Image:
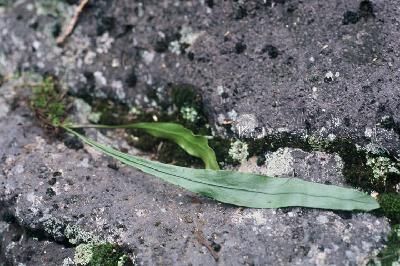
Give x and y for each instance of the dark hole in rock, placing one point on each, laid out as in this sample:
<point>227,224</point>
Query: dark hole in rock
<point>105,24</point>
<point>8,217</point>
<point>366,9</point>
<point>34,25</point>
<point>55,174</point>
<point>240,47</point>
<point>261,160</point>
<point>113,165</point>
<point>272,51</point>
<point>161,45</point>
<point>344,214</point>
<point>216,247</point>
<point>190,56</point>
<point>291,8</point>
<point>210,3</point>
<point>52,181</point>
<point>73,143</point>
<point>131,78</point>
<point>72,2</point>
<point>350,17</point>
<point>328,79</point>
<point>50,192</point>
<point>56,30</point>
<point>16,237</point>
<point>240,13</point>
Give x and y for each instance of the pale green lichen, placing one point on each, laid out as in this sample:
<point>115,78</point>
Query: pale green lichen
<point>175,47</point>
<point>68,262</point>
<point>189,113</point>
<point>94,117</point>
<point>135,111</point>
<point>122,260</point>
<point>239,151</point>
<point>188,37</point>
<point>58,229</point>
<point>83,254</point>
<point>76,235</point>
<point>54,227</point>
<point>381,167</point>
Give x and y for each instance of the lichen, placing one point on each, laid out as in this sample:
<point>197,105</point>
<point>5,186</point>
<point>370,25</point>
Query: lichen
<point>94,117</point>
<point>189,113</point>
<point>68,262</point>
<point>83,254</point>
<point>187,38</point>
<point>106,254</point>
<point>54,227</point>
<point>382,167</point>
<point>317,143</point>
<point>239,151</point>
<point>75,235</point>
<point>122,260</point>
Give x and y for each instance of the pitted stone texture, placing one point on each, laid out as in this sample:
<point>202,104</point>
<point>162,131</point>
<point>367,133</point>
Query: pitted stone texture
<point>157,220</point>
<point>19,247</point>
<point>298,67</point>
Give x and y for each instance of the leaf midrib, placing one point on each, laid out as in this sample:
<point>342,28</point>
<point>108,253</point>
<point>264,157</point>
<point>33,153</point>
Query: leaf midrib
<point>210,184</point>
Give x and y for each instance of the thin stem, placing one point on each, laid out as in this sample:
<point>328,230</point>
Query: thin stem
<point>93,126</point>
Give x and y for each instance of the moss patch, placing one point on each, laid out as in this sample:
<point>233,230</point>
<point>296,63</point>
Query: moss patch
<point>390,206</point>
<point>391,254</point>
<point>101,255</point>
<point>49,104</point>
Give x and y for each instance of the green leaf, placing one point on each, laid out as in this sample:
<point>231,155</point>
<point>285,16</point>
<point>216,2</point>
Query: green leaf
<point>195,145</point>
<point>243,189</point>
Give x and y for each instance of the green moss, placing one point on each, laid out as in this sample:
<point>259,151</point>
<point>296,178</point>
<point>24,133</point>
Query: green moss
<point>318,143</point>
<point>4,3</point>
<point>185,95</point>
<point>221,148</point>
<point>390,206</point>
<point>106,254</point>
<point>355,168</point>
<point>48,103</point>
<point>382,168</point>
<point>391,254</point>
<point>357,171</point>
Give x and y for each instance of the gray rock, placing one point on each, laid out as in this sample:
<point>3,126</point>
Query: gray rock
<point>300,67</point>
<point>307,68</point>
<point>18,247</point>
<point>49,188</point>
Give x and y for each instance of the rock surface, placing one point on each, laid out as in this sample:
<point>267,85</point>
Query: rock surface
<point>327,69</point>
<point>48,187</point>
<point>307,68</point>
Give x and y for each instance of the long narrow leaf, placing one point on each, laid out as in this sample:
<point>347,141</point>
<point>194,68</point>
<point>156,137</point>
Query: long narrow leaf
<point>195,145</point>
<point>243,189</point>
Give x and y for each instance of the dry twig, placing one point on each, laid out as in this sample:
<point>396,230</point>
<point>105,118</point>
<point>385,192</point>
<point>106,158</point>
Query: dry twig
<point>203,241</point>
<point>61,39</point>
